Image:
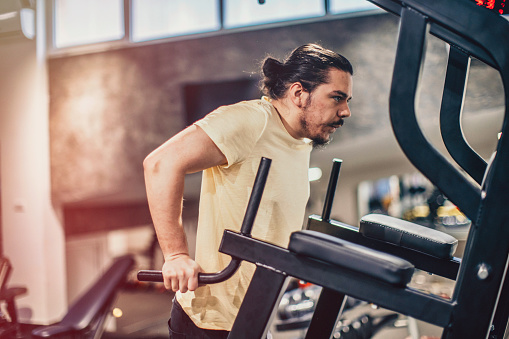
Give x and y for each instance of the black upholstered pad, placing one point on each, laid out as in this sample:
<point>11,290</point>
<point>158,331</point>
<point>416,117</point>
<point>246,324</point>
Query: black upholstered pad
<point>409,235</point>
<point>379,265</point>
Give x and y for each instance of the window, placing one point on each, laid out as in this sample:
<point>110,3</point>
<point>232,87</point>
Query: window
<point>82,22</point>
<point>79,22</point>
<point>239,13</point>
<point>153,19</point>
<point>348,6</point>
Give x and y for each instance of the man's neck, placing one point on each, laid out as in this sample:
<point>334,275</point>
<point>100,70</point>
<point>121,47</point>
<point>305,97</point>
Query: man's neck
<point>288,118</point>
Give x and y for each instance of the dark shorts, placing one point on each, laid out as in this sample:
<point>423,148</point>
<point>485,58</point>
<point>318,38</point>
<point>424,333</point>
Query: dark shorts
<point>182,327</point>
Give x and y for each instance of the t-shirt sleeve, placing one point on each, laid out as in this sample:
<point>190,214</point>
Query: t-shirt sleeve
<point>235,129</point>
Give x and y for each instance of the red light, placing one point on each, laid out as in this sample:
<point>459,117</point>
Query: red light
<point>495,5</point>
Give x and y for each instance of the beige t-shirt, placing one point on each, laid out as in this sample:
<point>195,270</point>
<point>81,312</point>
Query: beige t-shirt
<point>244,132</point>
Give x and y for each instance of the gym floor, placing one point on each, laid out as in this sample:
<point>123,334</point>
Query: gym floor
<point>145,313</point>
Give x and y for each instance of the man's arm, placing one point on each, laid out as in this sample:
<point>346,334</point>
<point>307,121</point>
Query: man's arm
<point>189,151</point>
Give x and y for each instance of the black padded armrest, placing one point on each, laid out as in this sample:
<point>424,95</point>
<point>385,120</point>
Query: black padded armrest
<point>409,235</point>
<point>339,252</point>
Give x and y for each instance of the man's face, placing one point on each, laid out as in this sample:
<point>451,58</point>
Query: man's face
<point>326,107</point>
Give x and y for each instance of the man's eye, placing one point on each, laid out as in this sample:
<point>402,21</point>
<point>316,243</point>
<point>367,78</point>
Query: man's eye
<point>338,99</point>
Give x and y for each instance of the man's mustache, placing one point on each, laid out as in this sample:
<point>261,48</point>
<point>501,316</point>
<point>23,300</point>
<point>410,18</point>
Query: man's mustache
<point>337,124</point>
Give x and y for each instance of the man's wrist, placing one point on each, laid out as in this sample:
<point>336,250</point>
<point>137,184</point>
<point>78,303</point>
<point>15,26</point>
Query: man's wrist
<point>174,256</point>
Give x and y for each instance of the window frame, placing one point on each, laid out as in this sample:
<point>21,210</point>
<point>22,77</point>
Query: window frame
<point>126,41</point>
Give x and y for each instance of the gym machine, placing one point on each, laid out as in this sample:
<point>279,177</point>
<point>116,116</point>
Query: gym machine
<point>375,261</point>
<point>86,317</point>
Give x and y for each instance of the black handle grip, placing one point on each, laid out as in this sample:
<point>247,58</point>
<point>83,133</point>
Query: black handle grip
<point>149,275</point>
<point>247,226</point>
<point>203,278</point>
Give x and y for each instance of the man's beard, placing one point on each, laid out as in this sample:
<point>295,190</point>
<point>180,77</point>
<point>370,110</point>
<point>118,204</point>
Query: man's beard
<point>318,141</point>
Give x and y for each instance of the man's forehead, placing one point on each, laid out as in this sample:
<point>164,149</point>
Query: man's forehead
<point>340,81</point>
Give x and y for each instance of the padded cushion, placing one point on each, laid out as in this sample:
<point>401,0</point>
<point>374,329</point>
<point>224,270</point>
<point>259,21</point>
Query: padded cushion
<point>409,235</point>
<point>339,252</point>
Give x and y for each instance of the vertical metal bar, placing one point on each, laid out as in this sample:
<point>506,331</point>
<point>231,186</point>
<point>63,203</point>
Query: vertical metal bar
<point>450,115</point>
<point>403,97</point>
<point>330,305</point>
<point>480,285</point>
<point>128,9</point>
<point>499,323</point>
<point>256,196</point>
<point>221,14</point>
<point>259,304</point>
<point>483,268</point>
<point>331,189</point>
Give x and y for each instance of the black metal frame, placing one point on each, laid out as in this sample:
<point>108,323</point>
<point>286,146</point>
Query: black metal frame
<point>450,116</point>
<point>282,262</point>
<point>487,31</point>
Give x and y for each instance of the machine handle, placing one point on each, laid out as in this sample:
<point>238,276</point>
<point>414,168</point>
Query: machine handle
<point>203,278</point>
<point>247,226</point>
<point>331,189</point>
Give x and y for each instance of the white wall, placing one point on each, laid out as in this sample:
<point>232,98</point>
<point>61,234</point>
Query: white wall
<point>33,238</point>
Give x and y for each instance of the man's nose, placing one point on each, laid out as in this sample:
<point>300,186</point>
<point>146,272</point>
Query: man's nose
<point>344,112</point>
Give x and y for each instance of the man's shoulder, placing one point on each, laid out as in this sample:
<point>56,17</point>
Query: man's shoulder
<point>252,115</point>
<point>247,111</point>
<point>255,105</point>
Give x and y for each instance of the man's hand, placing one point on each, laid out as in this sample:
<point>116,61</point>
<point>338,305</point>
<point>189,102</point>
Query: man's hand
<point>180,272</point>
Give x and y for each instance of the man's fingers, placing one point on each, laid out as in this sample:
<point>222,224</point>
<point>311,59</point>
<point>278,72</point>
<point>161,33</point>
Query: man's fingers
<point>171,281</point>
<point>193,283</point>
<point>182,279</point>
<point>174,284</point>
<point>167,279</point>
<point>181,275</point>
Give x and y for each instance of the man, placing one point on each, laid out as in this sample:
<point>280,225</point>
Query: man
<point>307,100</point>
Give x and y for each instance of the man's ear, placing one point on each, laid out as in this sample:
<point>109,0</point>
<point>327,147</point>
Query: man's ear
<point>297,94</point>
